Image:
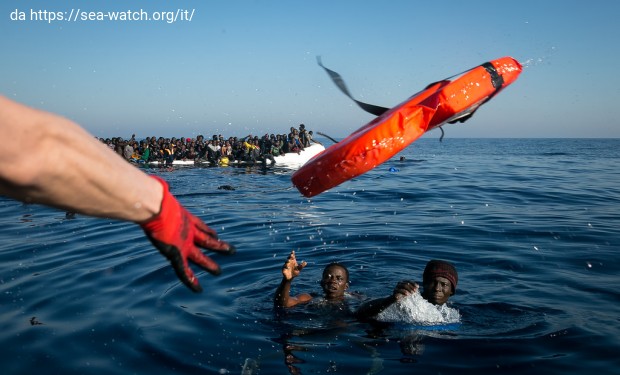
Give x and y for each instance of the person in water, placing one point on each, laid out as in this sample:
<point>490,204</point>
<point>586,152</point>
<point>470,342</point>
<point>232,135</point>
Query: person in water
<point>334,282</point>
<point>438,282</point>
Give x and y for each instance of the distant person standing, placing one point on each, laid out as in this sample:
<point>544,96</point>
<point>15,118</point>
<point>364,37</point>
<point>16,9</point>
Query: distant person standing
<point>128,150</point>
<point>303,136</point>
<point>311,138</point>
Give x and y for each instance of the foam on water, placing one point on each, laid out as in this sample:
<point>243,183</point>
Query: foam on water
<point>414,309</point>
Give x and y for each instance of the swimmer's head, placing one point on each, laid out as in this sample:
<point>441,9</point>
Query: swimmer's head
<point>335,280</point>
<point>440,268</point>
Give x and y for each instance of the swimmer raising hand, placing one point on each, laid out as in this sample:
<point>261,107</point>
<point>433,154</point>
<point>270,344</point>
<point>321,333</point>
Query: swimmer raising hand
<point>334,282</point>
<point>291,269</point>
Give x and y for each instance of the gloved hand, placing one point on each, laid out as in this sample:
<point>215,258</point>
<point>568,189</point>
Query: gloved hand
<point>176,234</point>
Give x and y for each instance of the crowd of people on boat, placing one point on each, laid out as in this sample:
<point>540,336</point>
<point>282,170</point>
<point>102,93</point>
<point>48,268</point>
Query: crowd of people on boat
<point>249,149</point>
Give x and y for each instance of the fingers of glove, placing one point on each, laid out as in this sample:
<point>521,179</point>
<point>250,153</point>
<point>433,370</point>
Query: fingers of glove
<point>179,264</point>
<point>204,262</point>
<point>186,275</point>
<point>208,242</point>
<point>201,226</point>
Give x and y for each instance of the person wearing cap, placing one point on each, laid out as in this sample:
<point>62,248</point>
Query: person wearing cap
<point>439,282</point>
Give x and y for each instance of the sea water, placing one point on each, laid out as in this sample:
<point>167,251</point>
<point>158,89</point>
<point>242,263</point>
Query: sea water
<point>532,226</point>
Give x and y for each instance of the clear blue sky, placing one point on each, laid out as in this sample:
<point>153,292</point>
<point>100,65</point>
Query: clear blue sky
<point>241,67</point>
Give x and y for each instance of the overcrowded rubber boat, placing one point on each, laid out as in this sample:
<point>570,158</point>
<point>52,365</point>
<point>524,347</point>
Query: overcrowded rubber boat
<point>289,160</point>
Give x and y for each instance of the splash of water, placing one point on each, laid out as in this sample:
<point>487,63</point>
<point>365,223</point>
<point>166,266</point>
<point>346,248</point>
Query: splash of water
<point>414,309</point>
<point>538,60</point>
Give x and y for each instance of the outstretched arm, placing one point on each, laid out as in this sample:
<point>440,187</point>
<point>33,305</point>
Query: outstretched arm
<point>50,160</point>
<point>290,270</point>
<point>371,309</point>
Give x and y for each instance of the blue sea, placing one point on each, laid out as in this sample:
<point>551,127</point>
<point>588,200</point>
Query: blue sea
<point>532,225</point>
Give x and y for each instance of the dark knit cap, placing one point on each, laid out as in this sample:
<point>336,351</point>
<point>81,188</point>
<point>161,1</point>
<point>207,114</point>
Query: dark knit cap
<point>440,268</point>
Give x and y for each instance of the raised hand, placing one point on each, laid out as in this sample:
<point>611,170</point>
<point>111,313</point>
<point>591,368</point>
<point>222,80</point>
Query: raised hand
<point>291,269</point>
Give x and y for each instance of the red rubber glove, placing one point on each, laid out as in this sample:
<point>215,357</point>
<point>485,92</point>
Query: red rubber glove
<point>176,234</point>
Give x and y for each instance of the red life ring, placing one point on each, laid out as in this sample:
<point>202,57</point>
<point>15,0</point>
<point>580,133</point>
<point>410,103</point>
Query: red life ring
<point>374,143</point>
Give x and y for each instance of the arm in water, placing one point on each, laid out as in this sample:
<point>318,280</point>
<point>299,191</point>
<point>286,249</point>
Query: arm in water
<point>439,282</point>
<point>290,270</point>
<point>371,309</point>
<point>67,168</point>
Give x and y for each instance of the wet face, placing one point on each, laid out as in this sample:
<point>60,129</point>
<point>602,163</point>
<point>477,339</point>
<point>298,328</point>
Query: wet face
<point>334,282</point>
<point>437,290</point>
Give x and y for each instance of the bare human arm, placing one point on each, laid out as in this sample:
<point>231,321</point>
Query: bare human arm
<point>290,270</point>
<point>369,310</point>
<point>50,160</point>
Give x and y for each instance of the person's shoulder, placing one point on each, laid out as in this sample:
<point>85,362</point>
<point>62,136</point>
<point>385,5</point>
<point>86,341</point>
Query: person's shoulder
<point>356,295</point>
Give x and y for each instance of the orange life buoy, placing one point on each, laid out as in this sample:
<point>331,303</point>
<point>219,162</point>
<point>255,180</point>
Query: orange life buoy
<point>374,143</point>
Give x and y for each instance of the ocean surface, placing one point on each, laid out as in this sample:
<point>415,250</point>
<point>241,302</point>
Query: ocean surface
<point>532,225</point>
